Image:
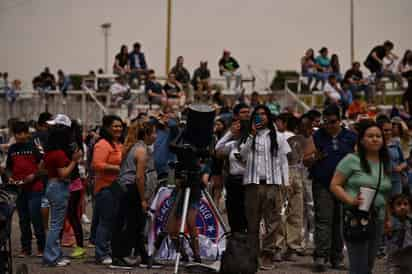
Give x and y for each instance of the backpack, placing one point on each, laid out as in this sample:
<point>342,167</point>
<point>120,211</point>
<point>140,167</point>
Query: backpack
<point>239,258</point>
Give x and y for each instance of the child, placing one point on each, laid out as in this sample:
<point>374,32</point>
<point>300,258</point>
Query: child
<point>22,163</point>
<point>398,230</point>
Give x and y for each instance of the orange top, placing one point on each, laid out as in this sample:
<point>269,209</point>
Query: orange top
<point>105,154</point>
<point>357,107</point>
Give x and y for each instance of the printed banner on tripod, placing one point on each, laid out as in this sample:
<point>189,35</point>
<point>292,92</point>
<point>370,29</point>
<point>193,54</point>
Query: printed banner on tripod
<point>210,230</point>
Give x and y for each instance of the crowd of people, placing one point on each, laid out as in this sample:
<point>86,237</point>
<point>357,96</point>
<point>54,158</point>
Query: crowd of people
<point>298,173</point>
<point>342,88</point>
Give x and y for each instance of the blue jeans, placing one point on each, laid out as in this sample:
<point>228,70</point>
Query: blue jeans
<point>28,209</point>
<point>57,192</point>
<point>104,215</point>
<point>362,255</point>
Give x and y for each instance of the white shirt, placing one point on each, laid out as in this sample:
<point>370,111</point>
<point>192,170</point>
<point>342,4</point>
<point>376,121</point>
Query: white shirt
<point>331,92</point>
<point>274,167</point>
<point>229,146</point>
<point>118,88</point>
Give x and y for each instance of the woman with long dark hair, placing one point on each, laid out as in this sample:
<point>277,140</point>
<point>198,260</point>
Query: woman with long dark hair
<point>265,153</point>
<point>368,168</point>
<point>121,62</point>
<point>107,156</point>
<point>75,189</point>
<point>59,167</point>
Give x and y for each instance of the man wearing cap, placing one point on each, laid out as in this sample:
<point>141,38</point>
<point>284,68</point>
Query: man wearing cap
<point>229,68</point>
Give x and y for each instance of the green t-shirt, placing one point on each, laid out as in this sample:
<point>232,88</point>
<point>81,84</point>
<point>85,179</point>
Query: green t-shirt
<point>355,178</point>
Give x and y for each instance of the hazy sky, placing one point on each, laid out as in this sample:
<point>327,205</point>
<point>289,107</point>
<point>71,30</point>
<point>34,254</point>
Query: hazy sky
<point>265,34</point>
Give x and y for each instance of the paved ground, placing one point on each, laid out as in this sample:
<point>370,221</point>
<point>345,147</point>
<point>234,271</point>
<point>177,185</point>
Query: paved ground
<point>87,265</point>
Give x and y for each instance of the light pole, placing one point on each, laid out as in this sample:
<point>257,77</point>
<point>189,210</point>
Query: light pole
<point>106,28</point>
<point>352,32</point>
<point>168,34</point>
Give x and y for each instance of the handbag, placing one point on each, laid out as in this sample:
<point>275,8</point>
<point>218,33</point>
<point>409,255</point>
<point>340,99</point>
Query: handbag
<point>239,256</point>
<point>358,224</point>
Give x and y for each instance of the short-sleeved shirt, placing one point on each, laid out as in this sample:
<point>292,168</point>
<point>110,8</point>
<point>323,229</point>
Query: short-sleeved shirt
<point>371,63</point>
<point>22,161</point>
<point>171,90</point>
<point>356,177</point>
<point>353,75</point>
<point>324,62</point>
<point>230,64</point>
<point>53,160</point>
<point>154,87</point>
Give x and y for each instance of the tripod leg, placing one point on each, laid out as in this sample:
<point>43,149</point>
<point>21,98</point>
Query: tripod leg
<point>182,227</point>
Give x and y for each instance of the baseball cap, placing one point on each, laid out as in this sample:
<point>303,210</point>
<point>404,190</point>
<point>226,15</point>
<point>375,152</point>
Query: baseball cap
<point>61,119</point>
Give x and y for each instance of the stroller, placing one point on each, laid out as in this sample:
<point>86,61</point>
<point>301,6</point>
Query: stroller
<point>8,198</point>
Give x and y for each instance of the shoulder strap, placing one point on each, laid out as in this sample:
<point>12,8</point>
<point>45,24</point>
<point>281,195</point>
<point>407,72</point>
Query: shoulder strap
<point>379,183</point>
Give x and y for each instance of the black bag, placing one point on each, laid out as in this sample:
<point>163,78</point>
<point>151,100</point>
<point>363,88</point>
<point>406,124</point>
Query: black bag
<point>357,224</point>
<point>239,258</point>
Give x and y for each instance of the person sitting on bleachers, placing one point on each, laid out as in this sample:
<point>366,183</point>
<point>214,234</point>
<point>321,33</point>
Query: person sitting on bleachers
<point>138,65</point>
<point>308,66</point>
<point>64,82</point>
<point>357,107</point>
<point>119,91</point>
<point>48,81</point>
<point>121,64</point>
<point>405,66</point>
<point>174,91</point>
<point>201,80</point>
<point>354,77</point>
<point>335,66</point>
<point>229,67</point>
<point>323,67</point>
<point>154,90</point>
<point>332,91</point>
<point>181,73</point>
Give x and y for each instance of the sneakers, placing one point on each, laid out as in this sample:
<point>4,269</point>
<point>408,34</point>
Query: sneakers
<point>266,263</point>
<point>105,261</point>
<point>78,253</point>
<point>23,254</point>
<point>277,257</point>
<point>290,255</point>
<point>85,219</point>
<point>62,262</point>
<point>150,263</point>
<point>319,265</point>
<point>337,264</point>
<point>120,263</point>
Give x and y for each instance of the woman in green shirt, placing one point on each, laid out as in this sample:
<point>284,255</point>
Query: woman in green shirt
<point>362,170</point>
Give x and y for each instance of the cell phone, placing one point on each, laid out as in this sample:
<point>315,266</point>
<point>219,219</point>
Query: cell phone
<point>258,120</point>
<point>244,127</point>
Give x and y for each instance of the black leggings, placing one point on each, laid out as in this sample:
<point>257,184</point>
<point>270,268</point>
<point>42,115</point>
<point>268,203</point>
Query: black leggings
<point>73,216</point>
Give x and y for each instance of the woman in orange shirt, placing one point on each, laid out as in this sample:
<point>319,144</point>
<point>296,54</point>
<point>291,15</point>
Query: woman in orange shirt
<point>107,156</point>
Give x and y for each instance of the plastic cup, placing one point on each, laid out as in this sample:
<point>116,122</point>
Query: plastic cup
<point>367,194</point>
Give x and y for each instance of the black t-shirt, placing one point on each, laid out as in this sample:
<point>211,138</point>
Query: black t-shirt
<point>123,59</point>
<point>371,63</point>
<point>200,73</point>
<point>182,74</point>
<point>230,64</point>
<point>171,90</point>
<point>154,87</point>
<point>353,74</point>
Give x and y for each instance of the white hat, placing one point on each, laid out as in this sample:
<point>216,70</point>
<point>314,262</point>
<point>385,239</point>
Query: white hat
<point>61,119</point>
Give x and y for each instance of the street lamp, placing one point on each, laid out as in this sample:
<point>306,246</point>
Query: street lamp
<point>106,28</point>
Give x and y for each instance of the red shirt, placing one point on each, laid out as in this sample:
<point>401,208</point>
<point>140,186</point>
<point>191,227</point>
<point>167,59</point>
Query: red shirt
<point>22,161</point>
<point>54,160</point>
